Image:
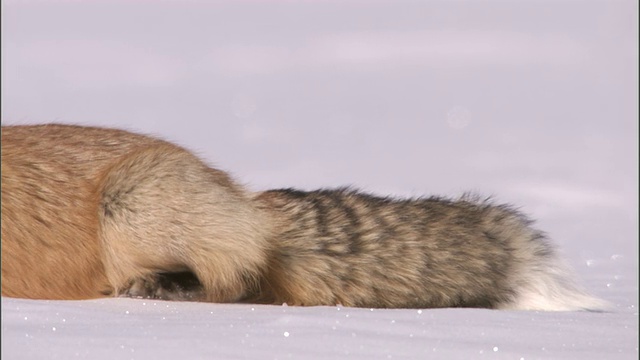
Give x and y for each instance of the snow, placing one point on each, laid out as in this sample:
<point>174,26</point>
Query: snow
<point>534,102</point>
<point>142,329</point>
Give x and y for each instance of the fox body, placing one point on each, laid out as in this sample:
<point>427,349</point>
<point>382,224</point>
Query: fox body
<point>85,211</point>
<point>92,212</point>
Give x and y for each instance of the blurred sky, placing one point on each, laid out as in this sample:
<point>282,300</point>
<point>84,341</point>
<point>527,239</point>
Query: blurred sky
<point>535,102</point>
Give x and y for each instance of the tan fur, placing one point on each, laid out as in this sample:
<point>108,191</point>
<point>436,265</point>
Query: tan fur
<point>88,211</point>
<point>91,212</point>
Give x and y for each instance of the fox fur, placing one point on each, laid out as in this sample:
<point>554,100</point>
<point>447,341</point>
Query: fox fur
<point>94,212</point>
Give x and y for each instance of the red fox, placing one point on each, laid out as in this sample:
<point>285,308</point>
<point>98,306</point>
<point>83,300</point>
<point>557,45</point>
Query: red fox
<point>93,212</point>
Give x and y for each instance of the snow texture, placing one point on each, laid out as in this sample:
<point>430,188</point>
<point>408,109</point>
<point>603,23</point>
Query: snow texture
<point>534,102</point>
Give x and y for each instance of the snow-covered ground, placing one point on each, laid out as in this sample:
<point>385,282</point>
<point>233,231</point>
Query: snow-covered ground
<point>139,329</point>
<point>532,101</point>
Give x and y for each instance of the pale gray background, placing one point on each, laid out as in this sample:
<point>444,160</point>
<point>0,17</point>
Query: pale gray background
<point>534,102</point>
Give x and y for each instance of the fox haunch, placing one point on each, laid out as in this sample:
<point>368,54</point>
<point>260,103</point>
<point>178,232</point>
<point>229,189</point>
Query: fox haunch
<point>88,211</point>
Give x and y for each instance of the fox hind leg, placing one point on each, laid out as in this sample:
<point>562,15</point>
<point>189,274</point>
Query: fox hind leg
<point>162,211</point>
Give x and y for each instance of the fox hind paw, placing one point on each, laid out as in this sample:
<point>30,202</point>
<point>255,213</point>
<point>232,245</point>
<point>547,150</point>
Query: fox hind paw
<point>181,286</point>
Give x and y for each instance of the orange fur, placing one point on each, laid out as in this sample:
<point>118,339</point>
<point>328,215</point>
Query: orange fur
<point>86,212</point>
